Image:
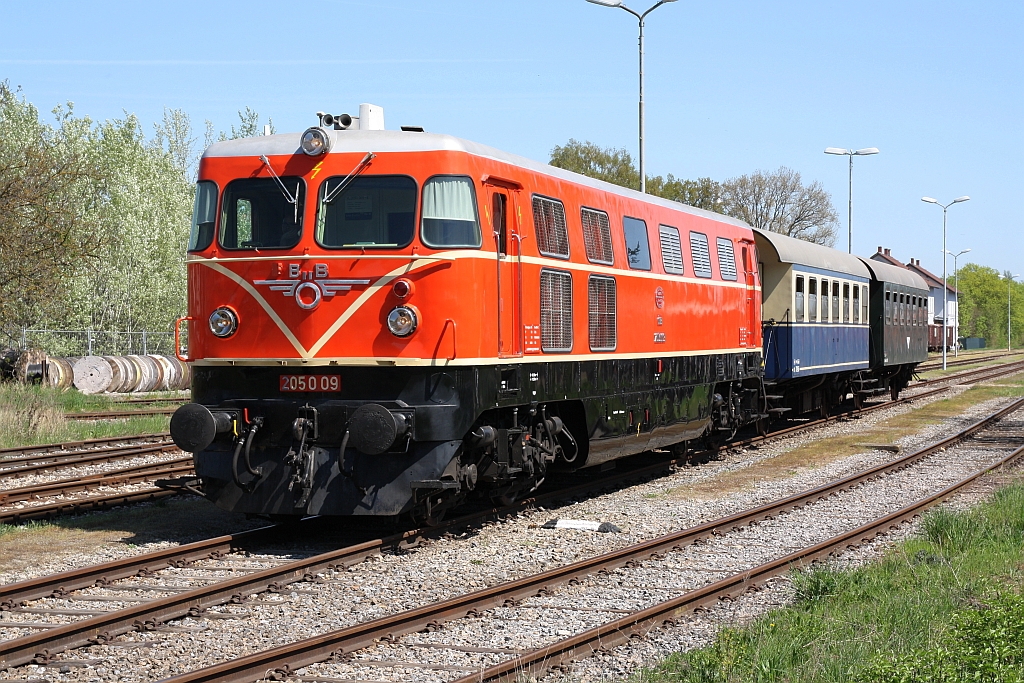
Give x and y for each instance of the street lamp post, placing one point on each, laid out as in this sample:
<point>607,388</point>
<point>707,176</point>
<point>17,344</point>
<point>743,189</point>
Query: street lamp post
<point>640,17</point>
<point>945,287</point>
<point>956,286</point>
<point>1009,283</point>
<point>851,153</point>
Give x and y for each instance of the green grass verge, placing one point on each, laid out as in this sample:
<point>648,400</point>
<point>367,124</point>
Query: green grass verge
<point>35,415</point>
<point>944,607</point>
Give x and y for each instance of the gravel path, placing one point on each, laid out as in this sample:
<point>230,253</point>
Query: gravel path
<point>519,547</point>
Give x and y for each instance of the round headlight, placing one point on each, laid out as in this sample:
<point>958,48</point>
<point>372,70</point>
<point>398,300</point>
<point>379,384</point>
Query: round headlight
<point>223,322</point>
<point>315,141</point>
<point>402,321</point>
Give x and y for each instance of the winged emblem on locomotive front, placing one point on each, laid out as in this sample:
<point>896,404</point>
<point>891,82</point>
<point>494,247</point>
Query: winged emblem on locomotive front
<point>310,287</point>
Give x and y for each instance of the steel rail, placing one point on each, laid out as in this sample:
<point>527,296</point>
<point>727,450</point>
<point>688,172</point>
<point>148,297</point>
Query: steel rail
<point>117,414</point>
<point>79,505</point>
<point>120,477</point>
<point>638,624</point>
<point>1000,369</point>
<point>68,445</point>
<point>21,651</point>
<point>966,360</point>
<point>280,662</point>
<point>86,458</point>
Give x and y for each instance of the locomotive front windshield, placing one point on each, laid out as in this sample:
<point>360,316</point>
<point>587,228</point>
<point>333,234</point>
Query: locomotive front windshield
<point>370,211</point>
<point>259,213</point>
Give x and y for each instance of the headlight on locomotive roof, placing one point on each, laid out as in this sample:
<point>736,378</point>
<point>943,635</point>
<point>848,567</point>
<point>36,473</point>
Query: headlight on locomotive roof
<point>223,322</point>
<point>315,141</point>
<point>402,321</point>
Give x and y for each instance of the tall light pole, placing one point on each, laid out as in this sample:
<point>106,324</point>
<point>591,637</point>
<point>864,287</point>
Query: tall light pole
<point>956,286</point>
<point>851,153</point>
<point>640,17</point>
<point>1009,283</point>
<point>945,287</point>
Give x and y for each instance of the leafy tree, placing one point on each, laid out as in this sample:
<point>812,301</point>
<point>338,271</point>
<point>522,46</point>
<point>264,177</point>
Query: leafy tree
<point>779,201</point>
<point>249,126</point>
<point>616,166</point>
<point>983,293</point>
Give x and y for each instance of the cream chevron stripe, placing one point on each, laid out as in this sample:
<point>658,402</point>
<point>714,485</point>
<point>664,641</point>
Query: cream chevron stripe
<point>266,307</point>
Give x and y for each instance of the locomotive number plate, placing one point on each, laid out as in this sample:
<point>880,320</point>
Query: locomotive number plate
<point>298,383</point>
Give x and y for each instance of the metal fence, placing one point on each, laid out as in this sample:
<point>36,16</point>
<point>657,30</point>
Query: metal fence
<point>72,343</point>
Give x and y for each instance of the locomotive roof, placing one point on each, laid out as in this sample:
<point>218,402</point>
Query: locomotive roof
<point>802,252</point>
<point>377,141</point>
<point>895,274</point>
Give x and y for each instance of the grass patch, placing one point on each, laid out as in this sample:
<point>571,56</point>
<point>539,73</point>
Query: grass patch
<point>943,607</point>
<point>35,415</point>
<point>823,451</point>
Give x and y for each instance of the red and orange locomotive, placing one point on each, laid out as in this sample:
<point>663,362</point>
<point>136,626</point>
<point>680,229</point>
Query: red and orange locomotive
<point>386,322</point>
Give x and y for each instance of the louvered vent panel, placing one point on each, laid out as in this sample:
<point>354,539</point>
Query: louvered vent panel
<point>549,219</point>
<point>601,305</point>
<point>700,253</point>
<point>597,236</point>
<point>555,310</point>
<point>726,259</point>
<point>671,250</point>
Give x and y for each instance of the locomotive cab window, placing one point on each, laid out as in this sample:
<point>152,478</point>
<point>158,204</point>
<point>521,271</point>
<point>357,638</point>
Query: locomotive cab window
<point>204,216</point>
<point>257,214</point>
<point>371,211</point>
<point>638,251</point>
<point>449,213</point>
<point>799,298</point>
<point>499,221</point>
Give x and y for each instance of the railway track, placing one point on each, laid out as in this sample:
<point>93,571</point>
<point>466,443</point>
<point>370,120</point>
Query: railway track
<point>118,414</point>
<point>388,643</point>
<point>52,639</point>
<point>9,454</point>
<point>968,360</point>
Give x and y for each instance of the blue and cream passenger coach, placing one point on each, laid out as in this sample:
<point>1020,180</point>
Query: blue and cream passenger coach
<point>815,315</point>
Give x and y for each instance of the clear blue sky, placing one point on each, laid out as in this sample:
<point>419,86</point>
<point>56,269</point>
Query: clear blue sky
<point>731,87</point>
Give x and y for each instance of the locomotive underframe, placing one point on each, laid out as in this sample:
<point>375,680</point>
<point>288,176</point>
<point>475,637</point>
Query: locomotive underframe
<point>490,431</point>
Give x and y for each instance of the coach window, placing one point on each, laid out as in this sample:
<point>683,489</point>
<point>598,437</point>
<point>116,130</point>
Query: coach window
<point>864,304</point>
<point>835,302</point>
<point>799,298</point>
<point>856,304</point>
<point>638,251</point>
<point>903,309</point>
<point>450,218</point>
<point>204,216</point>
<point>846,302</point>
<point>371,211</point>
<point>812,299</point>
<point>258,213</point>
<point>824,300</point>
<point>888,307</point>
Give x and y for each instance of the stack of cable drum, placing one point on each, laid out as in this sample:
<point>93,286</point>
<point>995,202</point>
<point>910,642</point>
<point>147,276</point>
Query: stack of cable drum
<point>124,374</point>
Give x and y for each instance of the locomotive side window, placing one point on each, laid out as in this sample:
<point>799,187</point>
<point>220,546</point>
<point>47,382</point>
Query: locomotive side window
<point>256,214</point>
<point>597,236</point>
<point>856,304</point>
<point>812,299</point>
<point>799,298</point>
<point>498,218</point>
<point>726,259</point>
<point>846,302</point>
<point>671,250</point>
<point>700,255</point>
<point>638,250</point>
<point>370,211</point>
<point>601,310</point>
<point>204,216</point>
<point>449,213</point>
<point>549,222</point>
<point>555,311</point>
<point>824,301</point>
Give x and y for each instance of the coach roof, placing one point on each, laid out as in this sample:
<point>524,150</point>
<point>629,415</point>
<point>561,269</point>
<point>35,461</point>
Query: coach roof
<point>382,141</point>
<point>804,253</point>
<point>896,275</point>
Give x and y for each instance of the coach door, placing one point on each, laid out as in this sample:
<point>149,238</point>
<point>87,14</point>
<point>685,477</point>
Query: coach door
<point>505,228</point>
<point>753,323</point>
